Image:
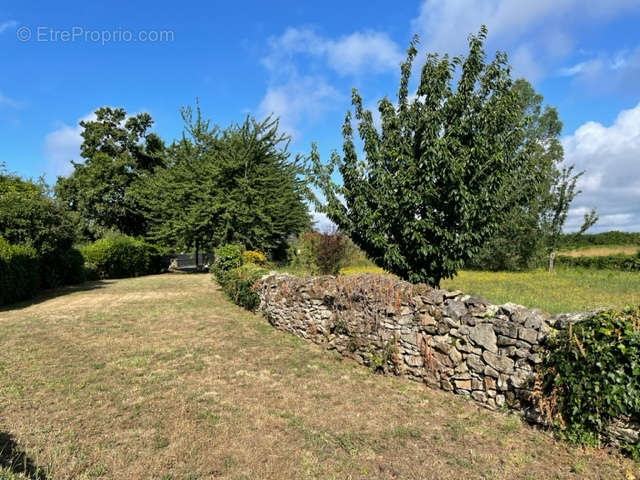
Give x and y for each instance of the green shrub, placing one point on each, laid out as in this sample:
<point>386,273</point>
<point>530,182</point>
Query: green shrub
<point>62,268</point>
<point>300,253</point>
<point>120,256</point>
<point>226,258</point>
<point>91,272</point>
<point>593,370</point>
<point>629,263</point>
<point>19,272</point>
<point>239,285</point>
<point>255,257</point>
<point>323,253</point>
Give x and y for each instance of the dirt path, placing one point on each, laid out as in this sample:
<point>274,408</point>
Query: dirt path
<point>161,378</point>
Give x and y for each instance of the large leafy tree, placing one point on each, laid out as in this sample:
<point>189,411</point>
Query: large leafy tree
<point>520,239</point>
<point>30,216</point>
<point>234,185</point>
<point>542,190</point>
<point>118,150</point>
<point>433,185</point>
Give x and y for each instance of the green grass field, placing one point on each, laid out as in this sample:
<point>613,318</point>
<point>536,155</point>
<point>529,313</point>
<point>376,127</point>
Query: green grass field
<point>565,290</point>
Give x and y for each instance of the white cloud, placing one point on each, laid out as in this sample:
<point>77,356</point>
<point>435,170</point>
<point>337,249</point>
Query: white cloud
<point>62,146</point>
<point>505,19</point>
<point>608,72</point>
<point>321,222</point>
<point>610,156</point>
<point>7,25</point>
<point>538,26</point>
<point>353,54</point>
<point>573,70</point>
<point>360,52</point>
<point>10,102</point>
<point>299,100</point>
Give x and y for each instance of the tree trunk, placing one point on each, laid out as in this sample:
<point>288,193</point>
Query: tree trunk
<point>552,256</point>
<point>197,255</point>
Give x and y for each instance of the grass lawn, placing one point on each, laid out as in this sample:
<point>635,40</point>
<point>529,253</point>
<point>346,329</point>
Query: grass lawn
<point>565,290</point>
<point>162,378</point>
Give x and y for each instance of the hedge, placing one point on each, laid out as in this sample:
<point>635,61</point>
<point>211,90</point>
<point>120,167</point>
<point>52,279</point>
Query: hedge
<point>237,270</point>
<point>239,283</point>
<point>120,256</point>
<point>226,258</point>
<point>19,272</point>
<point>614,237</point>
<point>593,373</point>
<point>630,263</point>
<point>62,268</point>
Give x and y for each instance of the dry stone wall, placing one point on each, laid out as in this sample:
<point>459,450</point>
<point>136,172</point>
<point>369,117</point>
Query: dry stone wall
<point>456,342</point>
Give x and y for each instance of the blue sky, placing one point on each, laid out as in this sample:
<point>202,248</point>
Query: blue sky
<point>299,60</point>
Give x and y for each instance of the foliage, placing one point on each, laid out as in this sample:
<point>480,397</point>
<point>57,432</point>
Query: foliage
<point>255,257</point>
<point>300,254</point>
<point>120,256</point>
<point>225,258</point>
<point>322,253</point>
<point>237,185</point>
<point>239,285</point>
<point>29,216</point>
<point>63,268</point>
<point>629,263</point>
<point>594,371</point>
<point>118,152</point>
<point>329,251</point>
<point>518,241</point>
<point>434,184</point>
<point>570,241</point>
<point>19,272</point>
<point>563,192</point>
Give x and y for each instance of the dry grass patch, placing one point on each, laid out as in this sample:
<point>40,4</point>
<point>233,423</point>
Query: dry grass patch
<point>601,251</point>
<point>162,378</point>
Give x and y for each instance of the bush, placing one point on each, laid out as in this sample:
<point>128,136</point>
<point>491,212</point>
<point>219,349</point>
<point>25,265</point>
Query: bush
<point>239,285</point>
<point>629,263</point>
<point>120,256</point>
<point>322,253</point>
<point>329,251</point>
<point>226,257</point>
<point>255,257</point>
<point>593,370</point>
<point>301,256</point>
<point>19,272</point>
<point>62,268</point>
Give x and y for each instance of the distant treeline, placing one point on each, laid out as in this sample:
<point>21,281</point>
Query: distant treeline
<point>614,237</point>
<point>626,263</point>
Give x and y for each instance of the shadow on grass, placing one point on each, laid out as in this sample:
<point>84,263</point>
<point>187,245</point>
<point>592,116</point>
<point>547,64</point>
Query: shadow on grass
<point>13,458</point>
<point>45,295</point>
